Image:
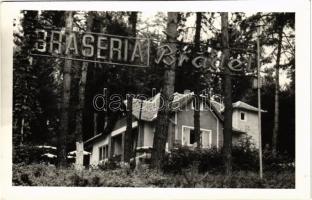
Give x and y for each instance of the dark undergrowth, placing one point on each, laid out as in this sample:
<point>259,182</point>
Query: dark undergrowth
<point>183,167</point>
<point>45,175</point>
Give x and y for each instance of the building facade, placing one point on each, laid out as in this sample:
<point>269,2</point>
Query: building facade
<point>181,127</point>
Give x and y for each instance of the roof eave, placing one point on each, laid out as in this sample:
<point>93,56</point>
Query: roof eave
<point>93,138</point>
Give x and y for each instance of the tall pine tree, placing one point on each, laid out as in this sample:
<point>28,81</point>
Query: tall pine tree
<point>162,123</point>
<point>227,127</point>
<point>64,122</point>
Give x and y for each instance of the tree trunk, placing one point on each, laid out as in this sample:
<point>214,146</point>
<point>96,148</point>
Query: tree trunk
<point>95,123</point>
<point>277,87</point>
<point>79,117</point>
<point>197,79</point>
<point>62,134</point>
<point>162,123</point>
<point>127,143</point>
<point>22,131</point>
<point>133,21</point>
<point>227,129</point>
<point>128,134</point>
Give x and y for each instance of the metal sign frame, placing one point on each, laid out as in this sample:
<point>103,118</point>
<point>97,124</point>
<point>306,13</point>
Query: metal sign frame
<point>49,54</point>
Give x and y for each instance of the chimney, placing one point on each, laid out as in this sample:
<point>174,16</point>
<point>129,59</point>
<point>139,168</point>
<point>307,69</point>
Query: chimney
<point>187,91</point>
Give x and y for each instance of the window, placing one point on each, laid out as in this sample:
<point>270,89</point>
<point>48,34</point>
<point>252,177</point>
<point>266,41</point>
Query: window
<point>242,116</point>
<point>192,136</point>
<point>188,137</point>
<point>103,152</point>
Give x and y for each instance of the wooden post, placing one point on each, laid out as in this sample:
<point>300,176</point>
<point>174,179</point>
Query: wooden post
<point>79,156</point>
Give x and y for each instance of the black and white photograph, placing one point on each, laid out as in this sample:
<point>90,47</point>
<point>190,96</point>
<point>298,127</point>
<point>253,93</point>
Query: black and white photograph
<point>154,98</point>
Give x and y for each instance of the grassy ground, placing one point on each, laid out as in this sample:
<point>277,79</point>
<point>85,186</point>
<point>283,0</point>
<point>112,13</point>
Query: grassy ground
<point>43,175</point>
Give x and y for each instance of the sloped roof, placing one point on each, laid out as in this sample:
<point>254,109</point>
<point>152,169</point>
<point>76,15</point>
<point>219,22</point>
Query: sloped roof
<point>239,105</point>
<point>94,138</point>
<point>150,107</point>
<point>237,131</point>
<point>180,100</point>
<point>218,106</point>
<point>245,106</point>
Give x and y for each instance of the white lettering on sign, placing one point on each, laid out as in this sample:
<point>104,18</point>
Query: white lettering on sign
<point>137,47</point>
<point>72,44</point>
<point>166,55</point>
<point>114,48</point>
<point>125,50</point>
<point>101,46</point>
<point>212,62</point>
<point>200,62</point>
<point>41,44</point>
<point>104,48</point>
<point>183,58</point>
<point>88,49</point>
<point>57,42</point>
<point>235,65</point>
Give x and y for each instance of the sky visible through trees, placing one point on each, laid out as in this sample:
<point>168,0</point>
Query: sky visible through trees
<point>43,78</point>
<point>149,17</point>
<point>149,22</point>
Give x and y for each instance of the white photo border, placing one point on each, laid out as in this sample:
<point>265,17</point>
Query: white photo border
<point>303,91</point>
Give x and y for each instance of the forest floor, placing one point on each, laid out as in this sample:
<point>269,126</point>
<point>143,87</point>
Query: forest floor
<point>49,175</point>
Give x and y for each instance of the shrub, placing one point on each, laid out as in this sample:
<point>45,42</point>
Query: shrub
<point>44,175</point>
<point>30,154</point>
<point>245,157</point>
<point>247,179</point>
<point>279,163</point>
<point>244,154</point>
<point>152,178</point>
<point>26,154</point>
<point>109,164</point>
<point>183,157</point>
<point>210,160</point>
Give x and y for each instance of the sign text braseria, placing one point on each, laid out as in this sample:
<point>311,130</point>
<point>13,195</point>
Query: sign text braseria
<point>103,47</point>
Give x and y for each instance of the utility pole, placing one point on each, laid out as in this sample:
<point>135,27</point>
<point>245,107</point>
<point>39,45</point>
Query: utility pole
<point>259,102</point>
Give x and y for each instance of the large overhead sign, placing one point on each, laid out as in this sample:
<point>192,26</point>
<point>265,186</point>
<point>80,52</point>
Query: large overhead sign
<point>93,47</point>
<point>128,51</point>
